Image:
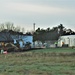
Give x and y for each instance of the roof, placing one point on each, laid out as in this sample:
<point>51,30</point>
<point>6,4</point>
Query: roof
<point>5,37</point>
<point>68,36</point>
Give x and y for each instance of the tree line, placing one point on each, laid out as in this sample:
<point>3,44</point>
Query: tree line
<point>39,34</point>
<point>52,34</point>
<point>10,26</point>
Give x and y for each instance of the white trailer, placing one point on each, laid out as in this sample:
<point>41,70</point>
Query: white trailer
<point>66,40</point>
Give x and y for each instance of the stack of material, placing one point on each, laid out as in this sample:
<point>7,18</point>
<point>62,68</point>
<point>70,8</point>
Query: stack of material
<point>11,47</point>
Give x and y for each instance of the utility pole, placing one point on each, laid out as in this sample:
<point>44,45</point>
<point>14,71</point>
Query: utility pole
<point>34,27</point>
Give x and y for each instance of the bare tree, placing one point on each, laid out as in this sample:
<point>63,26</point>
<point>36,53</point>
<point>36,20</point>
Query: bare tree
<point>17,29</point>
<point>9,26</point>
<point>2,27</point>
<point>23,30</point>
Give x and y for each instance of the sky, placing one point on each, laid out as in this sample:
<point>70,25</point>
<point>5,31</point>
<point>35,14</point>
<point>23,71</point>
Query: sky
<point>44,13</point>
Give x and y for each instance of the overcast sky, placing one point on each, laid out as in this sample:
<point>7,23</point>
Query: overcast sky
<point>45,13</point>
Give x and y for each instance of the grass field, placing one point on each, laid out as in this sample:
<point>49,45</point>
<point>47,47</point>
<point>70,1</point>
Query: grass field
<point>54,61</point>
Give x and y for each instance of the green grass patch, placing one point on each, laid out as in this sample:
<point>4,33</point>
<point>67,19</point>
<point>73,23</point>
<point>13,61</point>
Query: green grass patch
<point>55,50</point>
<point>53,61</point>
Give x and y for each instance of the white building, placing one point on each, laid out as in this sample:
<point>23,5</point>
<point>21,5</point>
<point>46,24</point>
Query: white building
<point>66,40</point>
